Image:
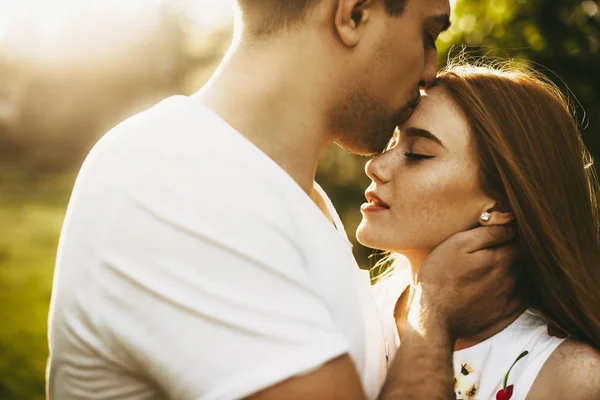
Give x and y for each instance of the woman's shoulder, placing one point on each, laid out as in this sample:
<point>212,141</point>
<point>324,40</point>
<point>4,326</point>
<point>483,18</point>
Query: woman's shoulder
<point>571,372</point>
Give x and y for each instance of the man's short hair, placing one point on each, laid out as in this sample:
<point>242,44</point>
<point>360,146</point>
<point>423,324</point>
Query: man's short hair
<point>275,15</point>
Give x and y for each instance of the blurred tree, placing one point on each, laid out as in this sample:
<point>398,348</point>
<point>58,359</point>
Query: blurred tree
<point>55,105</point>
<point>558,38</point>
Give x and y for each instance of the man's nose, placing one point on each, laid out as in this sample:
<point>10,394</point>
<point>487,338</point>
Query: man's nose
<point>430,70</point>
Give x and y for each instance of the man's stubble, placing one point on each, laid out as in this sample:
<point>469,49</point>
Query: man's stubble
<point>361,123</point>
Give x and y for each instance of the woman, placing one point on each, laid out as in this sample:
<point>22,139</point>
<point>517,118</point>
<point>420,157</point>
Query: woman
<point>499,146</point>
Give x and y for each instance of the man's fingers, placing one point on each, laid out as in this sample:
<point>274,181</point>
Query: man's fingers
<point>495,263</point>
<point>485,237</point>
<point>493,268</point>
<point>505,255</point>
<point>502,271</point>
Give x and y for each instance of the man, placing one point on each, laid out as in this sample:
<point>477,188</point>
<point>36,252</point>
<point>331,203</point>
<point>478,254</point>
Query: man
<point>199,260</point>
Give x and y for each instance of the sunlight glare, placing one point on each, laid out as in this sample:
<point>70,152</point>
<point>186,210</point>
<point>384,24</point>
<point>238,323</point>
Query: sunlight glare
<point>51,29</point>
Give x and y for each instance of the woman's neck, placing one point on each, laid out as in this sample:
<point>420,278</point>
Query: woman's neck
<point>416,261</point>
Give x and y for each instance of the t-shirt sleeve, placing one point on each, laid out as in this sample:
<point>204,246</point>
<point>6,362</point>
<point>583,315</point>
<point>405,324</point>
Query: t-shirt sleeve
<point>206,291</point>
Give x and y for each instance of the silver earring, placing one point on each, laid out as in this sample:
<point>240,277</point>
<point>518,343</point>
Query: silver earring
<point>486,216</point>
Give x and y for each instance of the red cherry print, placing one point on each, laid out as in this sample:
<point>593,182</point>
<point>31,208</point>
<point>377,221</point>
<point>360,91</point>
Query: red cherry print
<point>502,395</point>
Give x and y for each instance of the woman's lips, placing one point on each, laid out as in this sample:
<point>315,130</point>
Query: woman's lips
<point>368,207</point>
<point>374,203</point>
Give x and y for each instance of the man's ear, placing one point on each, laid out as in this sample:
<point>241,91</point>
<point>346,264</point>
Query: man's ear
<point>350,15</point>
<point>498,214</point>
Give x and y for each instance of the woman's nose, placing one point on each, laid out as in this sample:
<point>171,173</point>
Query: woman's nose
<point>376,168</point>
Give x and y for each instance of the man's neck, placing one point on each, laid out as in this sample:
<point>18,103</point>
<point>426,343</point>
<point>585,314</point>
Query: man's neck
<point>416,260</point>
<point>271,96</point>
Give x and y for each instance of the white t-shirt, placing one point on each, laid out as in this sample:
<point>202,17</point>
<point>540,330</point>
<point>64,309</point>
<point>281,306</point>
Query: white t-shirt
<point>191,266</point>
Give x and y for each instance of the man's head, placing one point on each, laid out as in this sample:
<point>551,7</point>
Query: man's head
<point>368,57</point>
<point>271,16</point>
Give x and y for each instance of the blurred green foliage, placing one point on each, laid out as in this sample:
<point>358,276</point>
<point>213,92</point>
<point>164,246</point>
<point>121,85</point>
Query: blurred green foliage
<point>562,38</point>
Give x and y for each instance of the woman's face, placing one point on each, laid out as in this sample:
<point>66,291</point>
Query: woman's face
<point>428,181</point>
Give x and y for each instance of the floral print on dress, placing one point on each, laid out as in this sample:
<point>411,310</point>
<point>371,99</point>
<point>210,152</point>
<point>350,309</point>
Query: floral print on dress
<point>466,384</point>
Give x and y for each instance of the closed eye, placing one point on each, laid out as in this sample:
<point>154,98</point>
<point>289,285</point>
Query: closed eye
<point>417,156</point>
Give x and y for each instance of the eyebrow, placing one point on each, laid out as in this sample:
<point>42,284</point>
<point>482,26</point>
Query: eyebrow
<point>443,20</point>
<point>418,132</point>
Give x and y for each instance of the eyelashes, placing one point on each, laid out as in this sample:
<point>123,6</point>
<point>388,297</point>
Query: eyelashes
<point>417,156</point>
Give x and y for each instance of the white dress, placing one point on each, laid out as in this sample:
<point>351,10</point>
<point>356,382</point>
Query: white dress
<point>503,367</point>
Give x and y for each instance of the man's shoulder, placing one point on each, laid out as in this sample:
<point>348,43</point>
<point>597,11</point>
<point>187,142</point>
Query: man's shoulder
<point>183,142</point>
<point>190,159</point>
<point>181,159</point>
<point>168,122</point>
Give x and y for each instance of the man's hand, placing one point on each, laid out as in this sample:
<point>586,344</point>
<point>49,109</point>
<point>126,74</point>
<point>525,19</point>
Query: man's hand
<point>466,283</point>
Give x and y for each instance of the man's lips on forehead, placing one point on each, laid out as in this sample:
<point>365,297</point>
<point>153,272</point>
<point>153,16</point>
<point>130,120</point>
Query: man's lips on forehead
<point>414,102</point>
<point>406,111</point>
<point>404,114</point>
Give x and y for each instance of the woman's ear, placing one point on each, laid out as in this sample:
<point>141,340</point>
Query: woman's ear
<point>496,215</point>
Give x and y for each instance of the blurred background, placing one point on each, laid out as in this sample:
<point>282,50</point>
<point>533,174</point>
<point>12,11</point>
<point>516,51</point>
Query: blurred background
<point>72,69</point>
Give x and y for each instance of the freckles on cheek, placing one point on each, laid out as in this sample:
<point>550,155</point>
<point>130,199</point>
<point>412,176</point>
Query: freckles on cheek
<point>417,200</point>
<point>432,202</point>
<point>457,198</point>
<point>441,195</point>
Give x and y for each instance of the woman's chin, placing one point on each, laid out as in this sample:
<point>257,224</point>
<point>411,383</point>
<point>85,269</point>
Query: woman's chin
<point>367,238</point>
<point>362,235</point>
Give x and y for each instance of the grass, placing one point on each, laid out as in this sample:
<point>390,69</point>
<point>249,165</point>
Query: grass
<point>30,231</point>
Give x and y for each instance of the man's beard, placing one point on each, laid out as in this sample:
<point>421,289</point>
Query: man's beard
<point>362,125</point>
